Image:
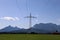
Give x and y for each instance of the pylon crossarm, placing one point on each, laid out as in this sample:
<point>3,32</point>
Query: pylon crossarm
<point>30,19</point>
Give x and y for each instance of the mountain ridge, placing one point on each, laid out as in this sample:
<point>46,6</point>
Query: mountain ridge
<point>37,28</point>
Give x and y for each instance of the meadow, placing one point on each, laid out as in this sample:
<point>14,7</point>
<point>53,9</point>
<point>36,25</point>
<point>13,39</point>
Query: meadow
<point>29,37</point>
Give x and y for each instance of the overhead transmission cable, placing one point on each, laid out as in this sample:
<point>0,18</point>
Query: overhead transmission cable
<point>17,4</point>
<point>27,3</point>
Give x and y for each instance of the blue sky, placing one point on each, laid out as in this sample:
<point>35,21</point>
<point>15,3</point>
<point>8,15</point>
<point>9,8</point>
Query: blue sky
<point>12,12</point>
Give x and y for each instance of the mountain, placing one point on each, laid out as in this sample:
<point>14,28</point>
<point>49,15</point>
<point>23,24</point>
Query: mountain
<point>58,28</point>
<point>37,28</point>
<point>45,28</point>
<point>20,31</point>
<point>9,29</point>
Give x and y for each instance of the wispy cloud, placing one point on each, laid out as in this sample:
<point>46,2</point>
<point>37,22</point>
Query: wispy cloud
<point>10,18</point>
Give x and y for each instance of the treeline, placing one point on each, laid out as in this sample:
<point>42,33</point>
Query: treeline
<point>26,33</point>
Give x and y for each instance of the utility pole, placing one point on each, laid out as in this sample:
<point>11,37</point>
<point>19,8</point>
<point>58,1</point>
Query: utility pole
<point>30,19</point>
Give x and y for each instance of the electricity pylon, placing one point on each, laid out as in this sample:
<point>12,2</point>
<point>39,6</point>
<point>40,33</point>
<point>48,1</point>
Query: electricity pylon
<point>30,19</point>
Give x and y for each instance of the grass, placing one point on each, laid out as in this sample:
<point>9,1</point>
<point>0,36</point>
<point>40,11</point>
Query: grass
<point>29,37</point>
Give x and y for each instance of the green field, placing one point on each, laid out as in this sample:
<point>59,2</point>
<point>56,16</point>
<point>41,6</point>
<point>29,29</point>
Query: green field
<point>29,37</point>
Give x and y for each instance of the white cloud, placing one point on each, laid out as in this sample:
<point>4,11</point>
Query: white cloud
<point>10,18</point>
<point>17,18</point>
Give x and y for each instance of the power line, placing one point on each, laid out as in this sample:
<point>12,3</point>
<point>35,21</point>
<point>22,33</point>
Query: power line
<point>28,9</point>
<point>17,4</point>
<point>28,5</point>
